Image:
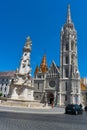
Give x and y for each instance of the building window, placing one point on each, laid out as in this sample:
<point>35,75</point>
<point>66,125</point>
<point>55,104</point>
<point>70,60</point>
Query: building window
<point>67,59</point>
<point>6,80</point>
<point>67,47</point>
<point>39,76</point>
<point>66,73</point>
<point>2,80</point>
<point>37,97</point>
<point>38,85</point>
<point>72,45</point>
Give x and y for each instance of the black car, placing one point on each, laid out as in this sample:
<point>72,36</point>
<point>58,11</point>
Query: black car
<point>85,108</point>
<point>73,109</point>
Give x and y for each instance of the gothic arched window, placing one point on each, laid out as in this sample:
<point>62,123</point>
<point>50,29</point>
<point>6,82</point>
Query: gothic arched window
<point>65,97</point>
<point>67,59</point>
<point>66,73</point>
<point>67,46</point>
<point>72,45</point>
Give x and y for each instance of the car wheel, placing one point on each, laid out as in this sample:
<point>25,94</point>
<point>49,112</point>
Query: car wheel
<point>86,109</point>
<point>72,112</point>
<point>66,112</point>
<point>76,112</point>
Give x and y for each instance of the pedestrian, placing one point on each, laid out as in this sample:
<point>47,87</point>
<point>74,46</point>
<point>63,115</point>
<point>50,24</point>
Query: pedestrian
<point>52,104</point>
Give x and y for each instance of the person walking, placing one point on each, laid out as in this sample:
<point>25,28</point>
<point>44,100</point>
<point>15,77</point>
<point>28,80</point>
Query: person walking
<point>52,104</point>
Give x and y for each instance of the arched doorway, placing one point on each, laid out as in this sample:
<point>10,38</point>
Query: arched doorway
<point>50,98</point>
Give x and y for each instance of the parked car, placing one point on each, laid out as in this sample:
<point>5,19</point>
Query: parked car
<point>85,108</point>
<point>73,109</point>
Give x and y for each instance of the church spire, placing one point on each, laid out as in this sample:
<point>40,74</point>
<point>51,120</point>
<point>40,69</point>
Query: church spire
<point>43,65</point>
<point>36,70</point>
<point>69,15</point>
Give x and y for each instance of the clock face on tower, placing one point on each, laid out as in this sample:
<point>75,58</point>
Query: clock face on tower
<point>52,83</point>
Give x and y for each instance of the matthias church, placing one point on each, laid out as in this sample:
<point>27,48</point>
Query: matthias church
<point>58,84</point>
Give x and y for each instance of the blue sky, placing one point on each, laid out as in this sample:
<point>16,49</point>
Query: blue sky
<point>42,21</point>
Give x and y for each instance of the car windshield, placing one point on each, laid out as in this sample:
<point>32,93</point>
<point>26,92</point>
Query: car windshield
<point>73,105</point>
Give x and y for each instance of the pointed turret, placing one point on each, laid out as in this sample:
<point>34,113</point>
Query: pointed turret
<point>69,15</point>
<point>36,70</point>
<point>43,65</point>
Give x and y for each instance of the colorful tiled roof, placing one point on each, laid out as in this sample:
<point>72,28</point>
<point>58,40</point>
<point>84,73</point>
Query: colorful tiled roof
<point>83,87</point>
<point>43,65</point>
<point>36,70</point>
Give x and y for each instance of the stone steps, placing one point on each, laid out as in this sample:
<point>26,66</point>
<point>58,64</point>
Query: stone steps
<point>21,104</point>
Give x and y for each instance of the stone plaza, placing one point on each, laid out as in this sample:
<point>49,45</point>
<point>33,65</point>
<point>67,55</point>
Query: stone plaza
<point>45,121</point>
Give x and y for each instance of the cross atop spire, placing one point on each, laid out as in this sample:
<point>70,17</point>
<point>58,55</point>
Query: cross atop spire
<point>69,15</point>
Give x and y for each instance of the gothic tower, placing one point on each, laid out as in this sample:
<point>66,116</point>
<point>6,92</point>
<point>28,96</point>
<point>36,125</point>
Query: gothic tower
<point>69,91</point>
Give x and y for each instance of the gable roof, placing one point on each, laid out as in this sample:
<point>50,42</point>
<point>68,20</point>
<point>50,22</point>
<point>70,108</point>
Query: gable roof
<point>53,64</point>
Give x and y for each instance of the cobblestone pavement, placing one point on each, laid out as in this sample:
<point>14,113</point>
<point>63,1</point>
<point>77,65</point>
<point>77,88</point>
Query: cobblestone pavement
<point>28,121</point>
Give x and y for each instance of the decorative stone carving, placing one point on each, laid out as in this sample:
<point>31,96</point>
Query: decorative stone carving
<point>23,83</point>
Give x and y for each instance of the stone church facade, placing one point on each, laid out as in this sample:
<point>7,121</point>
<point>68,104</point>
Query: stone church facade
<point>46,82</point>
<point>60,84</point>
